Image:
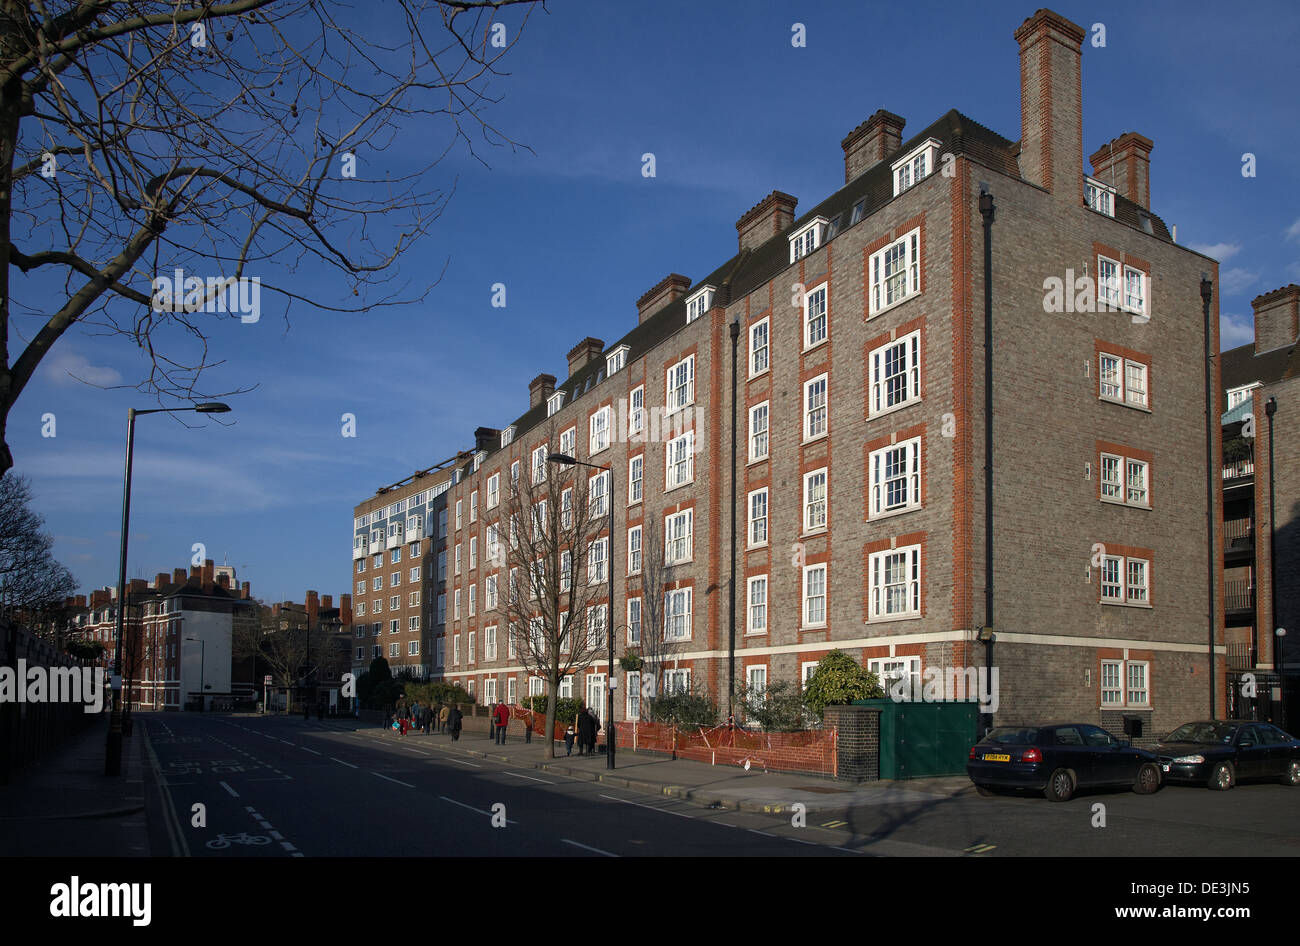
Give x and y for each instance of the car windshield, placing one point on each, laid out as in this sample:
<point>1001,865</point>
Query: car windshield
<point>1013,736</point>
<point>1203,732</point>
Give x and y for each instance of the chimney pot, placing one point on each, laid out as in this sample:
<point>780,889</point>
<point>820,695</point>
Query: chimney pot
<point>772,215</point>
<point>873,141</point>
<point>666,291</point>
<point>1277,318</point>
<point>540,389</point>
<point>584,353</point>
<point>1125,164</point>
<point>1051,104</point>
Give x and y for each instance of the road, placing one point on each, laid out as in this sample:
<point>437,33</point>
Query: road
<point>283,787</point>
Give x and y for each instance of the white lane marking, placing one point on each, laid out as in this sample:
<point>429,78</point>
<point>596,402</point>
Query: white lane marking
<point>763,833</point>
<point>529,777</point>
<point>312,751</point>
<point>594,850</point>
<point>398,781</point>
<point>802,841</point>
<point>849,849</point>
<point>233,793</point>
<point>727,824</point>
<point>471,764</point>
<point>277,836</point>
<point>662,811</point>
<point>287,742</point>
<point>473,809</point>
<point>341,762</point>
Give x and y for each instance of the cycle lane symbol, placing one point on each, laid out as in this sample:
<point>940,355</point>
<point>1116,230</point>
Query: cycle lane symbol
<point>223,841</point>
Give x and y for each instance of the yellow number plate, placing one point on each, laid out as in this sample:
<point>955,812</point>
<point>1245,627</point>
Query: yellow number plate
<point>997,757</point>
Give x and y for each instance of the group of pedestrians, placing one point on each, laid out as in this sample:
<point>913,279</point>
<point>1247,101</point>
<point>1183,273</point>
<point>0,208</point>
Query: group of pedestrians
<point>582,730</point>
<point>415,717</point>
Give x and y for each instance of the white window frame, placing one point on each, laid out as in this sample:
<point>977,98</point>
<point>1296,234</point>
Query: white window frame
<point>679,537</point>
<point>810,600</point>
<point>634,551</point>
<point>807,238</point>
<point>679,385</point>
<point>598,496</point>
<point>1109,283</point>
<point>597,561</point>
<point>811,414</point>
<point>493,490</point>
<point>1136,305</point>
<point>816,512</point>
<point>616,360</point>
<point>697,303</point>
<point>1099,196</point>
<point>878,480</point>
<point>634,628</point>
<point>636,410</point>
<point>679,461</point>
<point>598,431</point>
<point>756,349</point>
<point>554,403</point>
<point>909,379</point>
<point>760,413</point>
<point>569,441</point>
<point>906,252</point>
<point>507,435</point>
<point>915,166</point>
<point>635,478</point>
<point>752,607</point>
<point>816,309</point>
<point>756,530</point>
<point>880,606</point>
<point>678,614</point>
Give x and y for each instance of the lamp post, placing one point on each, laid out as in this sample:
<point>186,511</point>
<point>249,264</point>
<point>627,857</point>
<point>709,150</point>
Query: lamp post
<point>203,657</point>
<point>563,459</point>
<point>113,752</point>
<point>1270,408</point>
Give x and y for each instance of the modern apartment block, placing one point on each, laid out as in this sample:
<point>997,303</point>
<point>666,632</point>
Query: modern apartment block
<point>176,636</point>
<point>859,458</point>
<point>1261,489</point>
<point>399,571</point>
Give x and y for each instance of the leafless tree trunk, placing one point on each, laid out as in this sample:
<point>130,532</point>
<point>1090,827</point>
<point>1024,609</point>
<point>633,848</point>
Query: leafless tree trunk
<point>549,524</point>
<point>230,141</point>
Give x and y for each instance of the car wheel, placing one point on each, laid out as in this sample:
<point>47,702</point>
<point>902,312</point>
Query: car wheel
<point>1222,777</point>
<point>1148,779</point>
<point>985,791</point>
<point>1060,786</point>
<point>1292,774</point>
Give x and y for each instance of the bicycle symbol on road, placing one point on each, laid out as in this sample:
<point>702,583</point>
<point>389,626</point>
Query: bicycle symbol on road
<point>222,841</point>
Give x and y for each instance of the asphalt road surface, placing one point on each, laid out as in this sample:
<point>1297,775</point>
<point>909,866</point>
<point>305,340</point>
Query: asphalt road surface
<point>283,787</point>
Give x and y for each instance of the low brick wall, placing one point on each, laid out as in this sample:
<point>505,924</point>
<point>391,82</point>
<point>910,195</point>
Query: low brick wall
<point>858,752</point>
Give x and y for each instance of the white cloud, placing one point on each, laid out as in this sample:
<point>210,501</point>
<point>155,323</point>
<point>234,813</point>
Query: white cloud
<point>1293,231</point>
<point>1235,331</point>
<point>1236,280</point>
<point>67,367</point>
<point>1220,251</point>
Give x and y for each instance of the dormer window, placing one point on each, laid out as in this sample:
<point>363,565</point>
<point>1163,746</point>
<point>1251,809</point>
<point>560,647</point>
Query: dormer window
<point>699,303</point>
<point>1100,197</point>
<point>616,360</point>
<point>807,238</point>
<point>554,403</point>
<point>915,166</point>
<point>478,459</point>
<point>507,435</point>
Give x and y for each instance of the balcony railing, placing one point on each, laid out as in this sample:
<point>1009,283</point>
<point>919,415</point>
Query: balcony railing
<point>359,551</point>
<point>1238,596</point>
<point>1234,529</point>
<point>1238,469</point>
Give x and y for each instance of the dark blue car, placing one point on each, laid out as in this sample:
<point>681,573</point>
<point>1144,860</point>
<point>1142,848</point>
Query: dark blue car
<point>1059,759</point>
<point>1220,753</point>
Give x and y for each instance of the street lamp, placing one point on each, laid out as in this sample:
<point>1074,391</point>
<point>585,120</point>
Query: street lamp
<point>113,753</point>
<point>563,459</point>
<point>1270,408</point>
<point>1281,678</point>
<point>203,656</point>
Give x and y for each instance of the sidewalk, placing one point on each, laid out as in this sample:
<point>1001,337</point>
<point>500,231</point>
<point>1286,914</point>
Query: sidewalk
<point>64,804</point>
<point>720,786</point>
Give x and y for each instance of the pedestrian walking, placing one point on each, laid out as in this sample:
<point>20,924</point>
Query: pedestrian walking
<point>503,720</point>
<point>454,716</point>
<point>569,736</point>
<point>427,720</point>
<point>586,733</point>
<point>306,711</point>
<point>443,715</point>
<point>595,728</point>
<point>492,721</point>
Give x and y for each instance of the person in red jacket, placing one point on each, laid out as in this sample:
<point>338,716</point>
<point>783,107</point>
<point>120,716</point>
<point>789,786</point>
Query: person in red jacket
<point>502,717</point>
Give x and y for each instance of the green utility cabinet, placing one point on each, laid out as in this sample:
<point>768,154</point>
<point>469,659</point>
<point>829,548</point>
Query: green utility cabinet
<point>922,740</point>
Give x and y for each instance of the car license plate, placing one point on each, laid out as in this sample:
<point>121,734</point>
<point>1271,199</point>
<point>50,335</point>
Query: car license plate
<point>996,757</point>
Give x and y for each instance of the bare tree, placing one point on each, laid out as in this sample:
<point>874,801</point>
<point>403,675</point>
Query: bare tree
<point>292,648</point>
<point>31,580</point>
<point>230,144</point>
<point>656,650</point>
<point>551,519</point>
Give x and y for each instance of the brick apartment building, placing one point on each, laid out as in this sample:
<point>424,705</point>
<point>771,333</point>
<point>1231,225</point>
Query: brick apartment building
<point>399,567</point>
<point>860,452</point>
<point>1267,370</point>
<point>176,636</point>
<point>331,627</point>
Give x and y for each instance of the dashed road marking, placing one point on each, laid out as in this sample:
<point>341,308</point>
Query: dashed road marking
<point>586,847</point>
<point>398,781</point>
<point>834,824</point>
<point>341,762</point>
<point>233,793</point>
<point>529,777</point>
<point>662,811</point>
<point>979,848</point>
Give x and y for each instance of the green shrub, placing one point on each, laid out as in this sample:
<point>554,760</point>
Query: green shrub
<point>566,707</point>
<point>778,708</point>
<point>839,680</point>
<point>684,709</point>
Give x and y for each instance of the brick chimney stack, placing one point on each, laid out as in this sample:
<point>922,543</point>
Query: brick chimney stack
<point>345,609</point>
<point>160,579</point>
<point>178,576</point>
<point>1051,104</point>
<point>667,290</point>
<point>244,591</point>
<point>772,215</point>
<point>1277,318</point>
<point>1125,164</point>
<point>327,602</point>
<point>540,388</point>
<point>872,142</point>
<point>313,608</point>
<point>583,353</point>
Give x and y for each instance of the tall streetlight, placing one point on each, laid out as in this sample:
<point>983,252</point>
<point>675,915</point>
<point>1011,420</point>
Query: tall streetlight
<point>113,754</point>
<point>1270,408</point>
<point>563,459</point>
<point>203,657</point>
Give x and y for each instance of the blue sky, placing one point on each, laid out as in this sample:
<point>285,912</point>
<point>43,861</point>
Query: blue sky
<point>731,110</point>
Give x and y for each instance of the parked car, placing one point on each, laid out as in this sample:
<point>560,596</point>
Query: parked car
<point>1058,759</point>
<point>1219,753</point>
